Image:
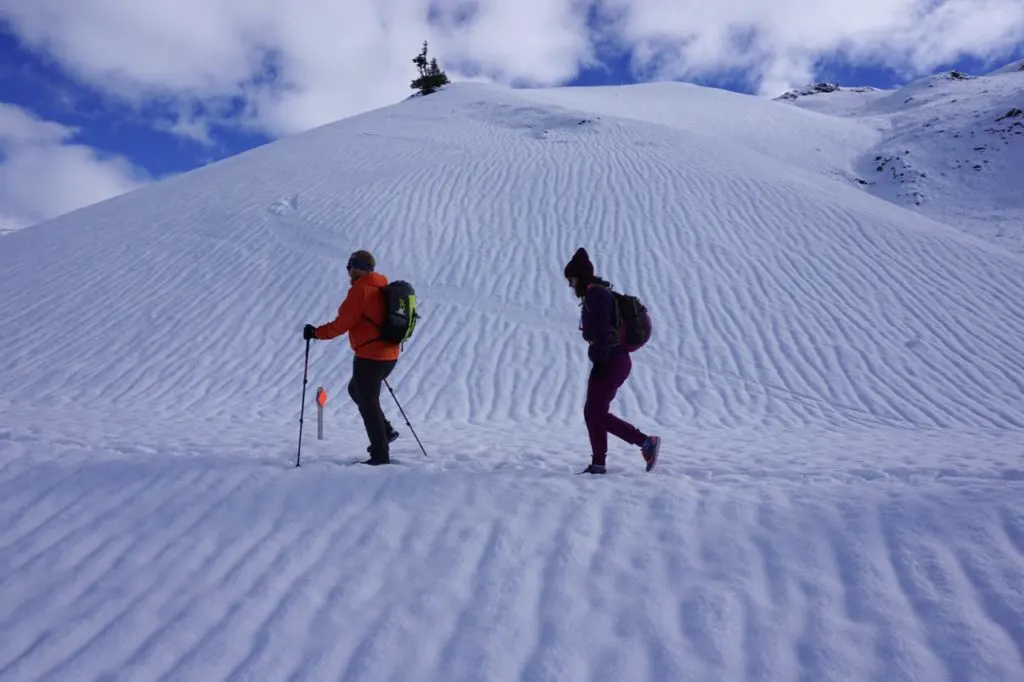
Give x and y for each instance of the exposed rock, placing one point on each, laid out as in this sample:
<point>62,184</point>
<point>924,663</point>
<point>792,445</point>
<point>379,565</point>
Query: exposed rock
<point>815,89</point>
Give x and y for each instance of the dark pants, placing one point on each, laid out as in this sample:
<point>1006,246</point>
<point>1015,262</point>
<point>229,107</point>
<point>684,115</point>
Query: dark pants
<point>605,380</point>
<point>367,378</point>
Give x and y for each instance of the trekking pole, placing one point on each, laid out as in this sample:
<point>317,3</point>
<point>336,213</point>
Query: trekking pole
<point>405,417</point>
<point>302,410</point>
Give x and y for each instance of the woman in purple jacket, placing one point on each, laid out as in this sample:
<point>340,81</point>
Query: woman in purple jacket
<point>611,366</point>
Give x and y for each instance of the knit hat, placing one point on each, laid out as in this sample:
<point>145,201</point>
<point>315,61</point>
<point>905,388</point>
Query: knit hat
<point>361,260</point>
<point>580,266</point>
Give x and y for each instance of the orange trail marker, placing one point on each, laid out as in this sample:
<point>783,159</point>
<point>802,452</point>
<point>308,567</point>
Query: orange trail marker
<point>321,400</point>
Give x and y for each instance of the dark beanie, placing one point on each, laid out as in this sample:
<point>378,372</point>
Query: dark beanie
<point>362,260</point>
<point>580,266</point>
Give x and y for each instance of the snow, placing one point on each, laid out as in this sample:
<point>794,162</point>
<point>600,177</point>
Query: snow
<point>951,147</point>
<point>835,371</point>
<point>1012,67</point>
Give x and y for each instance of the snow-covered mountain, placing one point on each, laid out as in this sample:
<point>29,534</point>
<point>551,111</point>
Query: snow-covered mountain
<point>951,146</point>
<point>837,377</point>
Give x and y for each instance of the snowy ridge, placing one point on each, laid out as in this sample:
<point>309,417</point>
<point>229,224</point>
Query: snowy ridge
<point>825,145</point>
<point>1012,67</point>
<point>952,147</point>
<point>837,379</point>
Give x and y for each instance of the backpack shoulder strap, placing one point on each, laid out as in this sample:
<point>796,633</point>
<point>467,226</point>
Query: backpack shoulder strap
<point>370,320</point>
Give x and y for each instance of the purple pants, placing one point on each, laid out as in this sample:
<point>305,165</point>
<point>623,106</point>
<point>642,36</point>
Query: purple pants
<point>604,383</point>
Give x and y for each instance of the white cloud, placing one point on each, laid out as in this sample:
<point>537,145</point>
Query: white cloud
<point>334,58</point>
<point>43,176</point>
<point>778,43</point>
<point>188,123</point>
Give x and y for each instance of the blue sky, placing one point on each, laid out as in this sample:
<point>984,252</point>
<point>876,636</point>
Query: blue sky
<point>29,80</point>
<point>146,91</point>
<point>615,71</point>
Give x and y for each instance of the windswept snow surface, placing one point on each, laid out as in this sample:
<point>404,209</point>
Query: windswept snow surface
<point>838,381</point>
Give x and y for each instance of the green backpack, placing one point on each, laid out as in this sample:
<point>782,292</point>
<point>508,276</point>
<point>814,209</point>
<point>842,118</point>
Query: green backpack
<point>400,314</point>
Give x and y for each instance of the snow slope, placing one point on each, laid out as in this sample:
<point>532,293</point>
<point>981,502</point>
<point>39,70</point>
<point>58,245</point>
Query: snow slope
<point>829,146</point>
<point>1012,67</point>
<point>951,147</point>
<point>837,379</point>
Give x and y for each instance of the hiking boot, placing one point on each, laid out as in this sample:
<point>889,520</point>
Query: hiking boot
<point>649,449</point>
<point>392,437</point>
<point>595,469</point>
<point>376,461</point>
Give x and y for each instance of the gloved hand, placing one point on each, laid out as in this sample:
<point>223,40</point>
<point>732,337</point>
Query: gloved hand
<point>309,332</point>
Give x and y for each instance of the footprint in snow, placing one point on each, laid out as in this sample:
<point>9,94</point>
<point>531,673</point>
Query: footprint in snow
<point>284,206</point>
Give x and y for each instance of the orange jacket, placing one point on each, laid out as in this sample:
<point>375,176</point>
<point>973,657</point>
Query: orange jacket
<point>364,300</point>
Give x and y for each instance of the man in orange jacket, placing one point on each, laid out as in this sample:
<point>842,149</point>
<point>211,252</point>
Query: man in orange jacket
<point>360,315</point>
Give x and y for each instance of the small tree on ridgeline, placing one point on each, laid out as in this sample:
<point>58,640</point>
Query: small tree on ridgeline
<point>431,76</point>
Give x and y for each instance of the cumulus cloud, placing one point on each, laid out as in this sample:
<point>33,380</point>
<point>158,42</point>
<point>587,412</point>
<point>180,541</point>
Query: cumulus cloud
<point>297,65</point>
<point>778,44</point>
<point>43,175</point>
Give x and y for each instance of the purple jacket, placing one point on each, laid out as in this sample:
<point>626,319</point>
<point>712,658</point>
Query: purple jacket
<point>597,324</point>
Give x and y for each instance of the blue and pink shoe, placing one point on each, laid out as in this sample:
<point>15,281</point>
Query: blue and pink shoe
<point>650,449</point>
